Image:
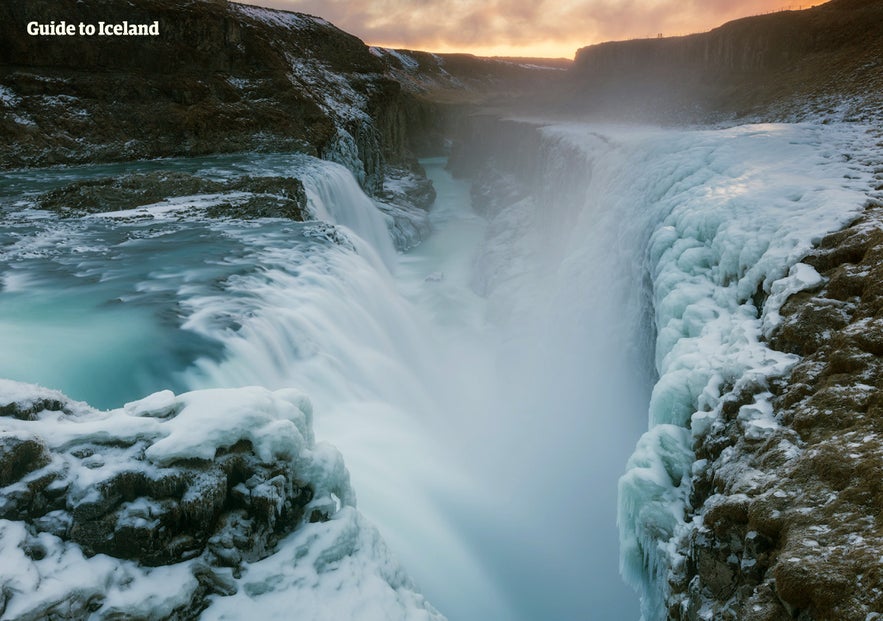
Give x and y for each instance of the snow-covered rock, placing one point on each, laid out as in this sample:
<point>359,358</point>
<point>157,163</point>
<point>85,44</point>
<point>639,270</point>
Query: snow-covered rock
<point>213,500</point>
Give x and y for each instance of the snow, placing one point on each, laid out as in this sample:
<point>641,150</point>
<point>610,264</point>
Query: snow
<point>173,208</point>
<point>333,91</point>
<point>8,98</point>
<point>193,425</point>
<point>800,278</point>
<point>279,19</point>
<point>408,62</point>
<point>27,396</point>
<point>207,420</point>
<point>339,569</point>
<point>40,585</point>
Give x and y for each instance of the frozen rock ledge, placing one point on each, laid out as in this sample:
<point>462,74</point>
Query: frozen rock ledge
<point>209,504</point>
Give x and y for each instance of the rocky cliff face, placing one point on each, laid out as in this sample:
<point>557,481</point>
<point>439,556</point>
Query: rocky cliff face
<point>218,78</point>
<point>823,61</point>
<point>226,77</point>
<point>786,525</point>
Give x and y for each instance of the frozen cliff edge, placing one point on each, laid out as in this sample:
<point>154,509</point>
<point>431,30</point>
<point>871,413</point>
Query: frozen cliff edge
<point>803,539</point>
<point>721,223</point>
<point>212,504</point>
<point>723,259</point>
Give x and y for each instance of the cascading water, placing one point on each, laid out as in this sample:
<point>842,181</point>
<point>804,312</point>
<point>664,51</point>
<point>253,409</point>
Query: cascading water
<point>486,388</point>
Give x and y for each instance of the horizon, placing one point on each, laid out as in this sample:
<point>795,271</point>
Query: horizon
<point>523,28</point>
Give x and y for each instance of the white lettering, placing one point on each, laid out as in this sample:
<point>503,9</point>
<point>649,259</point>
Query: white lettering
<point>61,29</point>
<point>64,29</point>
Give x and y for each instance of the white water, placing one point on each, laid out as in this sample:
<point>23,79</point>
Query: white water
<point>472,432</point>
<point>485,433</point>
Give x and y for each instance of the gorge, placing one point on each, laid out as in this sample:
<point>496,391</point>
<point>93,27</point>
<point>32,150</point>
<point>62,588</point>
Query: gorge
<point>669,325</point>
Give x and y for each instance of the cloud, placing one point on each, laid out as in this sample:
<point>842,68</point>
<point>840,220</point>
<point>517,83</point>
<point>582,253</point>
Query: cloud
<point>447,25</point>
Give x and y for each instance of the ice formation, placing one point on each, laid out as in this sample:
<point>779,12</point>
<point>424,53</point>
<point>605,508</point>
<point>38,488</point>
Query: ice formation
<point>45,571</point>
<point>733,211</point>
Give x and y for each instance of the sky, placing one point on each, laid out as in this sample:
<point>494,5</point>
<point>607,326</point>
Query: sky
<point>537,28</point>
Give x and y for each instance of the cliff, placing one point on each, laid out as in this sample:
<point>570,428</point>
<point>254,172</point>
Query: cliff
<point>225,77</point>
<point>806,542</point>
<point>218,78</point>
<point>824,61</point>
<point>773,510</point>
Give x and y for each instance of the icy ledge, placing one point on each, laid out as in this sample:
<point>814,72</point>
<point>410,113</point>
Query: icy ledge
<point>214,504</point>
<point>732,213</point>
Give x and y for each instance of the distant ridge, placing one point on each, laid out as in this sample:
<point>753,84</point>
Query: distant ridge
<point>826,60</point>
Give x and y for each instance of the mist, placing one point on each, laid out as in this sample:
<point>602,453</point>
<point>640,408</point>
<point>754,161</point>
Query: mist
<point>486,392</point>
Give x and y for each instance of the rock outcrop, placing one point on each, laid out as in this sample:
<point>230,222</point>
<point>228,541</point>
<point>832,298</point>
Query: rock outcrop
<point>241,197</point>
<point>220,77</point>
<point>201,483</point>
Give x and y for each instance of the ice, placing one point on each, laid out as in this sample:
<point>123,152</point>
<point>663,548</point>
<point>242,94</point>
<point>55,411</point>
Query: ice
<point>731,212</point>
<point>800,278</point>
<point>339,569</point>
<point>721,219</point>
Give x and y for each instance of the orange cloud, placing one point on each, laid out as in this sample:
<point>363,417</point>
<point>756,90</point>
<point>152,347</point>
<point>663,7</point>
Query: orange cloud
<point>522,27</point>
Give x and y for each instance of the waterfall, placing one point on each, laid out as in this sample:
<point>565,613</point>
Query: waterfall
<point>487,388</point>
<point>334,196</point>
<point>484,433</point>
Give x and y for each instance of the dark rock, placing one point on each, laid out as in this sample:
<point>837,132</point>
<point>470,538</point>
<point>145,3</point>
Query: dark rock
<point>234,507</point>
<point>219,78</point>
<point>27,410</point>
<point>406,197</point>
<point>20,456</point>
<point>811,322</point>
<point>807,544</point>
<point>266,197</point>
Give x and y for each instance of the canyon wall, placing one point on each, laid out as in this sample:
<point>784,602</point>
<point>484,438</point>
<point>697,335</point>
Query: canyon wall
<point>824,61</point>
<point>219,78</point>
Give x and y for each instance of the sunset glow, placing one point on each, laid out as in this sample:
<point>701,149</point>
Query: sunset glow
<point>536,28</point>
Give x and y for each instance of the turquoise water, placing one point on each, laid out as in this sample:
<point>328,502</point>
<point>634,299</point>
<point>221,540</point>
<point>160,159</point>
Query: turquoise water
<point>91,308</point>
<point>464,440</point>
